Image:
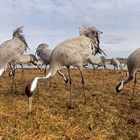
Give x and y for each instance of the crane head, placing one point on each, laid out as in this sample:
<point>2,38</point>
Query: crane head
<point>119,87</point>
<point>28,90</point>
<point>29,94</point>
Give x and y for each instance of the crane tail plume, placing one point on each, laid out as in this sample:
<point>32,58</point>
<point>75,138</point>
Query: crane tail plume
<point>102,51</point>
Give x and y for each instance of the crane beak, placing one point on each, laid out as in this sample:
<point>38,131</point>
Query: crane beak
<point>30,102</point>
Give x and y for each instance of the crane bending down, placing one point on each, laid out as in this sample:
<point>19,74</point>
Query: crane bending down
<point>44,53</point>
<point>99,61</point>
<point>23,59</point>
<point>73,52</point>
<point>38,64</point>
<point>102,62</point>
<point>133,64</point>
<point>12,49</point>
<point>116,63</point>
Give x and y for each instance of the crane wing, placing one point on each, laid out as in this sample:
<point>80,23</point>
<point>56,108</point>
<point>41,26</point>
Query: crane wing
<point>11,50</point>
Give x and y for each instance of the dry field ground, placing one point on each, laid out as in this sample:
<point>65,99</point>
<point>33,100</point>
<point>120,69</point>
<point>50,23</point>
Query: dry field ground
<point>105,116</point>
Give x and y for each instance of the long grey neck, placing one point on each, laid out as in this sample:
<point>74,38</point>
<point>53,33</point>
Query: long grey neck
<point>51,73</point>
<point>37,80</point>
<point>46,78</point>
<point>129,78</point>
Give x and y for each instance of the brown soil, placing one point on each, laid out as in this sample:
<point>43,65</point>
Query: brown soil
<point>105,116</point>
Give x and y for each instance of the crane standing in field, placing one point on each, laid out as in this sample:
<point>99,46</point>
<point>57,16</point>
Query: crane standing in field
<point>71,52</point>
<point>12,49</point>
<point>133,64</point>
<point>116,63</point>
<point>99,61</point>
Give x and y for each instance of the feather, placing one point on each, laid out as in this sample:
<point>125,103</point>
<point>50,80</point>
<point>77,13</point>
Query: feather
<point>12,49</point>
<point>18,33</point>
<point>43,52</point>
<point>89,31</point>
<point>42,46</point>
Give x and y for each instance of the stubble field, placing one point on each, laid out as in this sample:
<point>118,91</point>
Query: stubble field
<point>105,116</point>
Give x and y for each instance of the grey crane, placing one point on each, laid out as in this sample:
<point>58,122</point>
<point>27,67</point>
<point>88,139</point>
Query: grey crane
<point>102,62</point>
<point>116,63</point>
<point>44,54</point>
<point>99,61</point>
<point>12,49</point>
<point>39,63</point>
<point>133,64</point>
<point>23,59</point>
<point>71,52</point>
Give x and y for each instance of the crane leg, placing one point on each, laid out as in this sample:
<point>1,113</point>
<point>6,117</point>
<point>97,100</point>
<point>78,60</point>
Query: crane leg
<point>13,84</point>
<point>70,105</point>
<point>114,69</point>
<point>64,77</point>
<point>94,70</point>
<point>45,72</point>
<point>135,81</point>
<point>22,75</point>
<point>83,83</point>
<point>105,67</point>
<point>50,81</point>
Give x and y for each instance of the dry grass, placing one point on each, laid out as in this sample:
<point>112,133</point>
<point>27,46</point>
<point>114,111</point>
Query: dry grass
<point>105,116</point>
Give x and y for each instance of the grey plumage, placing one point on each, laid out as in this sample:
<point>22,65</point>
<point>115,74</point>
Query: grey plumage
<point>21,60</point>
<point>12,49</point>
<point>98,61</point>
<point>116,63</point>
<point>71,52</point>
<point>24,59</point>
<point>44,53</point>
<point>103,62</point>
<point>133,64</point>
<point>39,63</point>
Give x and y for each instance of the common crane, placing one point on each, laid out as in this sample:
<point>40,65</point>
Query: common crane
<point>133,64</point>
<point>71,52</point>
<point>11,49</point>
